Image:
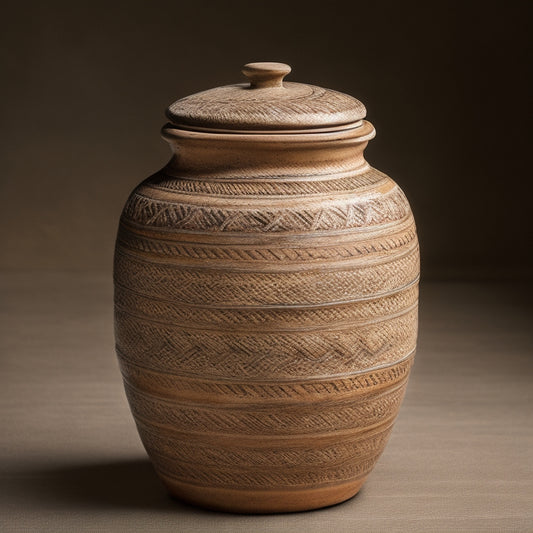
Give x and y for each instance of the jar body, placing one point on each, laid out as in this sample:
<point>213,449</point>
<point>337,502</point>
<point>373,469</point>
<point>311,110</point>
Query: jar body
<point>266,319</point>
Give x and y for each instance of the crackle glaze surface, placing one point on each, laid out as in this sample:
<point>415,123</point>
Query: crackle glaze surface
<point>266,320</point>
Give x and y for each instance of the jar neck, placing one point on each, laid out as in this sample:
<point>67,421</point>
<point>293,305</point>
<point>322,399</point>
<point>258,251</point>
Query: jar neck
<point>290,156</point>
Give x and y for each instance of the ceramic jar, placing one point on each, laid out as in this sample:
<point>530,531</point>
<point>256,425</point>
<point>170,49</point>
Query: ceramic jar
<point>266,292</point>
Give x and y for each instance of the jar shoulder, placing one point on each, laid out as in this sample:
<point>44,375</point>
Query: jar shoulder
<point>360,200</point>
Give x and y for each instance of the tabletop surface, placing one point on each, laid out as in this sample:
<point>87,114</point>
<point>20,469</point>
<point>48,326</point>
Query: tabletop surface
<point>460,457</point>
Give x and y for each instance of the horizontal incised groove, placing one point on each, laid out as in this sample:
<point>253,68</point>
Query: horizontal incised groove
<point>228,288</point>
<point>154,314</point>
<point>265,319</point>
<point>275,202</point>
<point>279,462</point>
<point>363,179</point>
<point>250,455</point>
<point>125,313</point>
<point>283,419</point>
<point>264,479</point>
<point>381,248</point>
<point>267,442</point>
<point>384,194</point>
<point>278,469</point>
<point>340,263</point>
<point>282,306</point>
<point>350,185</point>
<point>170,385</point>
<point>363,395</point>
<point>380,194</point>
<point>346,382</point>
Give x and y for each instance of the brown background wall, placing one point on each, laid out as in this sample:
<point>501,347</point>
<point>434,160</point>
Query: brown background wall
<point>446,84</point>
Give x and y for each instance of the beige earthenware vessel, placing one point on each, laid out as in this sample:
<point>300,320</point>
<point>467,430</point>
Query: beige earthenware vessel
<point>266,289</point>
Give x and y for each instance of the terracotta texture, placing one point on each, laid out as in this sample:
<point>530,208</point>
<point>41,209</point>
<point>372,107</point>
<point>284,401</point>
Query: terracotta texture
<point>266,293</point>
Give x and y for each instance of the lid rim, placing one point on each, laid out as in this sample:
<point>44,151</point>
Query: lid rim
<point>338,127</point>
<point>360,133</point>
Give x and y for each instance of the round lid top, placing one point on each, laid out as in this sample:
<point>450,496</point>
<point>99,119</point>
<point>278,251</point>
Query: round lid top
<point>266,103</point>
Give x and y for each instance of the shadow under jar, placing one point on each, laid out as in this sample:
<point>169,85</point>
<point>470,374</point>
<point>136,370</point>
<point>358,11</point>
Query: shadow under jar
<point>266,295</point>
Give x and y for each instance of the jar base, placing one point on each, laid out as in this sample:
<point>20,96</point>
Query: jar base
<point>262,501</point>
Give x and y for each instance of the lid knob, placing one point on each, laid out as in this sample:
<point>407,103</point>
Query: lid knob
<point>265,74</point>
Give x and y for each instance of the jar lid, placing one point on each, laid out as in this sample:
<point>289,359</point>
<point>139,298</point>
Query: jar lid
<point>266,103</point>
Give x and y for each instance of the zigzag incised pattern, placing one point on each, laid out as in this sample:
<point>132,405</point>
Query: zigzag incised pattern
<point>353,213</point>
<point>265,355</point>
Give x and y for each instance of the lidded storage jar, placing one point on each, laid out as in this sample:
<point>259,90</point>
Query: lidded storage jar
<point>266,289</point>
